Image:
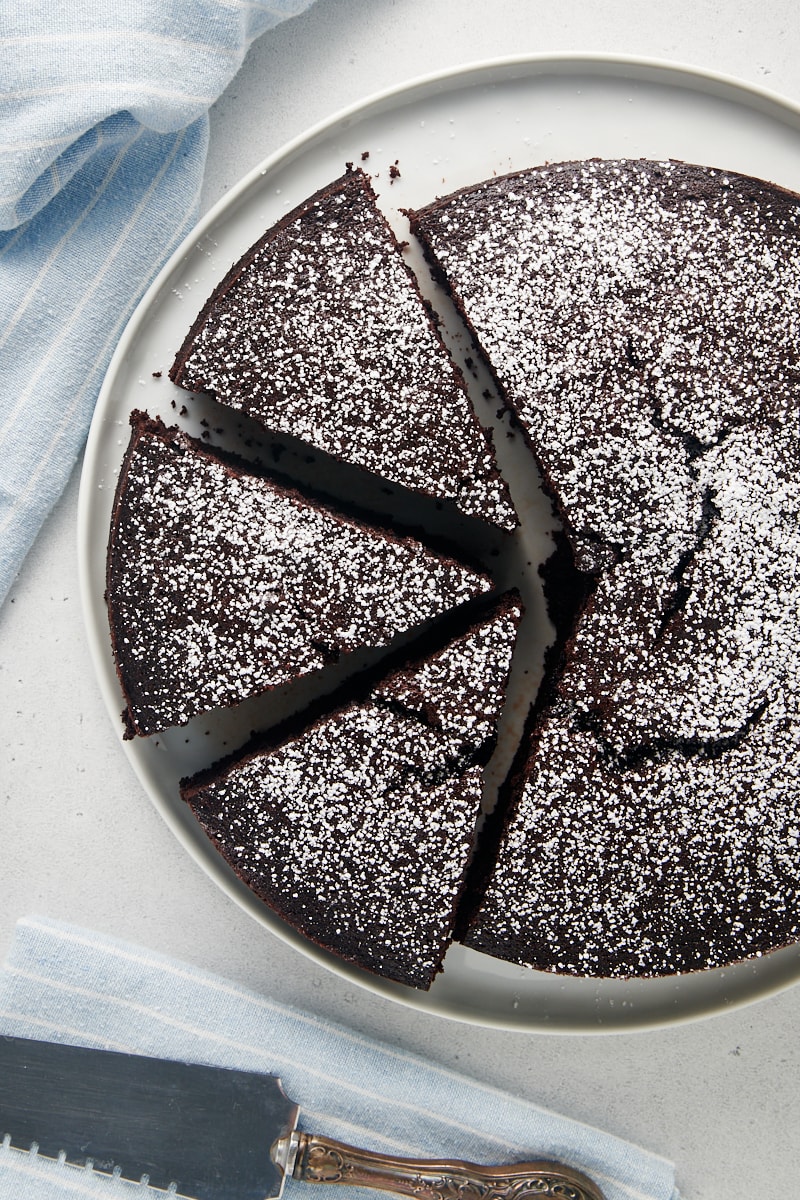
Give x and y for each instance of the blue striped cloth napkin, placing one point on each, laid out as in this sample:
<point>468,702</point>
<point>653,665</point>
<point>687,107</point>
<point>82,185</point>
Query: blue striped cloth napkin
<point>103,135</point>
<point>67,984</point>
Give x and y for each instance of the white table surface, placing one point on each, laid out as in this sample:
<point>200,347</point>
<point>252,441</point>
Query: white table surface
<point>80,839</point>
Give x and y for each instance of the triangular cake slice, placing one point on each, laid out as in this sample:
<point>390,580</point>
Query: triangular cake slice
<point>223,584</point>
<point>357,828</point>
<point>320,332</point>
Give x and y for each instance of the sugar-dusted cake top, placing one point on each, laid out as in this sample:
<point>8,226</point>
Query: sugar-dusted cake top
<point>357,829</point>
<point>668,863</point>
<point>642,319</point>
<point>223,584</point>
<point>632,311</point>
<point>320,331</point>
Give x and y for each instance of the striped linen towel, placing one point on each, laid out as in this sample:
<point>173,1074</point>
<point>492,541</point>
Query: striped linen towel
<point>103,135</point>
<point>67,984</point>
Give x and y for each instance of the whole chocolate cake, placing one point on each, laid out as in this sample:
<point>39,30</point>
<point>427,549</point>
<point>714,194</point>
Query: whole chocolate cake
<point>642,323</point>
<point>320,332</point>
<point>356,829</point>
<point>223,584</point>
<point>642,320</point>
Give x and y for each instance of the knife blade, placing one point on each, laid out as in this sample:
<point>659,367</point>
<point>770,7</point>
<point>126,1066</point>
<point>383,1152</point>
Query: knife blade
<point>214,1133</point>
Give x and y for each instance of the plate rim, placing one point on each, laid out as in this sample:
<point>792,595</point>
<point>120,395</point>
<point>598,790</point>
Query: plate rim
<point>671,73</point>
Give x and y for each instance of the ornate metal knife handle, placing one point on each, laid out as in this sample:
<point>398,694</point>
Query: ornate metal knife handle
<point>322,1160</point>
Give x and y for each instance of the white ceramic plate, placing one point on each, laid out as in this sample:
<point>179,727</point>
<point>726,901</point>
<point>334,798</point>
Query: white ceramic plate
<point>442,132</point>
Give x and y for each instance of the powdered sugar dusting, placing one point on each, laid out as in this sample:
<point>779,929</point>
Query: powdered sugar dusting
<point>652,869</point>
<point>644,321</point>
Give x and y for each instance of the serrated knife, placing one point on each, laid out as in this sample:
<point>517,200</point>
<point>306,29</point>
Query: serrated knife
<point>212,1133</point>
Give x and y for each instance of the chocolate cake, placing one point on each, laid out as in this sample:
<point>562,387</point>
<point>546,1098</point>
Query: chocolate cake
<point>222,583</point>
<point>356,829</point>
<point>320,332</point>
<point>642,321</point>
